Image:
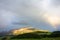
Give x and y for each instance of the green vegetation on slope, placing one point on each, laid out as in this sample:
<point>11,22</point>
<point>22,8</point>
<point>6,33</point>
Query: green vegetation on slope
<point>56,38</point>
<point>34,36</point>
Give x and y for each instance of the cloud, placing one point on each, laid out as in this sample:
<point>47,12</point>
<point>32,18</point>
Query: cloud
<point>31,11</point>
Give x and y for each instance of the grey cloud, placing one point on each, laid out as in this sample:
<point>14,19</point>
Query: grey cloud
<point>56,2</point>
<point>26,10</point>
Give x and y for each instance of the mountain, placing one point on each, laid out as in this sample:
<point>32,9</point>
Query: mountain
<point>26,30</point>
<point>4,33</point>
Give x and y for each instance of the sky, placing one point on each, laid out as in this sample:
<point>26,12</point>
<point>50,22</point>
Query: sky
<point>42,14</point>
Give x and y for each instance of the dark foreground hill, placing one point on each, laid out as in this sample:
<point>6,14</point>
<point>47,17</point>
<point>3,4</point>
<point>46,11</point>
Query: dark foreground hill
<point>32,33</point>
<point>35,36</point>
<point>55,34</point>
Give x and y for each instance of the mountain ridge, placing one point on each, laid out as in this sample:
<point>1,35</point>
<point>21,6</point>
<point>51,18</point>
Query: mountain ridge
<point>26,30</point>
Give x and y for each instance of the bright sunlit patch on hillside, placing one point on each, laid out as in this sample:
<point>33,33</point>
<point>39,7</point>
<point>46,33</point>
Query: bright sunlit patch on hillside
<point>27,30</point>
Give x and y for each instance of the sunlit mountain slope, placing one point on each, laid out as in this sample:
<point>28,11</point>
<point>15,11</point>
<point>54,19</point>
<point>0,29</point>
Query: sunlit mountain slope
<point>26,30</point>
